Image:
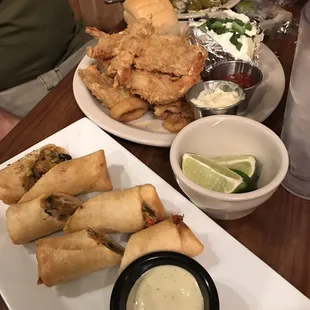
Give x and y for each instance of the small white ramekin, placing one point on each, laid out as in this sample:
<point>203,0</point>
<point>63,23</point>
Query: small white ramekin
<point>224,135</point>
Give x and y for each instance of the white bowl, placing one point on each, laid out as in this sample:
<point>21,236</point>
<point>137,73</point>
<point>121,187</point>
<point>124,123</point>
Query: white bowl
<point>223,135</point>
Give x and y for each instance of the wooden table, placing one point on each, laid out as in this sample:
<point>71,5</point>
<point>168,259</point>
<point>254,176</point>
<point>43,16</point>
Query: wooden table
<point>278,232</point>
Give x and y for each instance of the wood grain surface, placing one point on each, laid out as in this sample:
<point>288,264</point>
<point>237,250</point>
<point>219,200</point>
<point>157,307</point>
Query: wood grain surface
<point>277,232</point>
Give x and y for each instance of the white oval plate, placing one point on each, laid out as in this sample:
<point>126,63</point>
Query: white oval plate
<point>149,131</point>
<point>228,5</point>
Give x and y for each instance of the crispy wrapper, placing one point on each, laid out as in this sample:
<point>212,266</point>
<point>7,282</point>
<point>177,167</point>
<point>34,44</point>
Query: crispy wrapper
<point>176,122</point>
<point>123,105</point>
<point>39,217</point>
<point>168,235</point>
<point>120,211</point>
<point>64,258</point>
<point>78,176</point>
<point>175,115</point>
<point>160,111</point>
<point>17,178</point>
<point>129,110</point>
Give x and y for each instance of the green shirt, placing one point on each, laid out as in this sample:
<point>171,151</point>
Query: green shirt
<point>35,36</point>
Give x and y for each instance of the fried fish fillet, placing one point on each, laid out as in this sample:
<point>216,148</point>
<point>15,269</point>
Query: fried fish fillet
<point>110,45</point>
<point>168,54</point>
<point>159,88</point>
<point>163,111</point>
<point>139,67</point>
<point>107,45</point>
<point>139,47</point>
<point>176,122</point>
<point>101,87</point>
<point>123,105</point>
<point>175,115</point>
<point>103,66</point>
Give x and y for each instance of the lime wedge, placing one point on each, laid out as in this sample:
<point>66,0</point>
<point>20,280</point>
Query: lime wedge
<point>211,175</point>
<point>244,163</point>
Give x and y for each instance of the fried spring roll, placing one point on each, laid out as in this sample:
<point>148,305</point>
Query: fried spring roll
<point>39,217</point>
<point>123,211</point>
<point>170,235</point>
<point>67,257</point>
<point>78,176</point>
<point>19,177</point>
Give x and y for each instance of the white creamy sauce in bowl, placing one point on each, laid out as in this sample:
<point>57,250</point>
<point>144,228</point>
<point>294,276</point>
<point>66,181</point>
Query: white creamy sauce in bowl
<point>165,287</point>
<point>216,98</point>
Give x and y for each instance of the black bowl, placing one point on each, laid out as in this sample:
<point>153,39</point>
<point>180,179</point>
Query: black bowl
<point>136,269</point>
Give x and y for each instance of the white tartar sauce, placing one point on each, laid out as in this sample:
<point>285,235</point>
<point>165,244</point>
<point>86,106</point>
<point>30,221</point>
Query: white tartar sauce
<point>166,287</point>
<point>216,99</point>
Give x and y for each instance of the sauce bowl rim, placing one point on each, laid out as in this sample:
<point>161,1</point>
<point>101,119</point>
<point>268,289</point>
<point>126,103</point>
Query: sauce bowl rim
<point>261,75</point>
<point>242,97</point>
<point>140,266</point>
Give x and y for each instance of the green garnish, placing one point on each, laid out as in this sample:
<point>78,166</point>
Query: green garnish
<point>239,22</point>
<point>237,28</point>
<point>220,31</point>
<point>228,20</point>
<point>239,46</point>
<point>217,24</point>
<point>248,26</point>
<point>234,40</point>
<point>210,21</point>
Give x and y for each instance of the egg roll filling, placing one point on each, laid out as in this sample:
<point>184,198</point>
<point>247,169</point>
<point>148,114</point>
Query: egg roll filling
<point>59,207</point>
<point>47,159</point>
<point>149,215</point>
<point>105,240</point>
<point>177,219</point>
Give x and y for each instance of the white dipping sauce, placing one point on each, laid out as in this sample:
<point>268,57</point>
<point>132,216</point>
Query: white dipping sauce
<point>216,99</point>
<point>165,287</point>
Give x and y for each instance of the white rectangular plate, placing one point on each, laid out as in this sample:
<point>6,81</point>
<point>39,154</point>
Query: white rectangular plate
<point>243,281</point>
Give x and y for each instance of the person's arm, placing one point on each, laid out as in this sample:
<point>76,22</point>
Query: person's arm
<point>75,6</point>
<point>7,122</point>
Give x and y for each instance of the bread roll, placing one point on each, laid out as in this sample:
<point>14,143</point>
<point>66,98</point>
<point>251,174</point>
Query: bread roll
<point>162,13</point>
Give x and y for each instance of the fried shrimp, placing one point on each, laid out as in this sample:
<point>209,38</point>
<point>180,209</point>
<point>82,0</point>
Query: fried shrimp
<point>123,105</point>
<point>139,67</point>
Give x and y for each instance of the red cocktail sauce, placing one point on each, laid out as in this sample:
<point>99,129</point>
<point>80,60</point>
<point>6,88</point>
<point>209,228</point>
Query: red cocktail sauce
<point>244,80</point>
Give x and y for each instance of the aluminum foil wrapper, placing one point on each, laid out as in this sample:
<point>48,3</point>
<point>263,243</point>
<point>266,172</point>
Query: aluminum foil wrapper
<point>216,54</point>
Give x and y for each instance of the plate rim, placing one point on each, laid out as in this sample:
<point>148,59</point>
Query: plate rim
<point>281,90</point>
